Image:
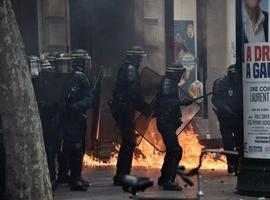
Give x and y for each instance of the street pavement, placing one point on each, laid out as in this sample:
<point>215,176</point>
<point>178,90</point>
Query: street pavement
<point>217,185</point>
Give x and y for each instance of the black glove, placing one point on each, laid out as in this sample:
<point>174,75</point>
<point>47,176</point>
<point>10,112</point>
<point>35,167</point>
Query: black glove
<point>186,102</point>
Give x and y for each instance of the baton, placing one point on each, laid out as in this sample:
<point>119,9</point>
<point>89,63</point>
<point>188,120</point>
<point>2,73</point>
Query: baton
<point>207,94</point>
<point>98,76</point>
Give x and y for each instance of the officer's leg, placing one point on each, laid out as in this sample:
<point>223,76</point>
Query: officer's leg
<point>48,132</point>
<point>52,146</point>
<point>83,127</point>
<point>75,158</point>
<point>226,131</point>
<point>83,130</point>
<point>238,134</point>
<point>125,155</point>
<point>237,131</point>
<point>63,156</point>
<point>172,157</point>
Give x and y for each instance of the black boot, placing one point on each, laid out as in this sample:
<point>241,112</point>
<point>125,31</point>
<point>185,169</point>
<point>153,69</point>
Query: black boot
<point>85,183</point>
<point>118,180</point>
<point>161,181</point>
<point>77,186</point>
<point>172,185</point>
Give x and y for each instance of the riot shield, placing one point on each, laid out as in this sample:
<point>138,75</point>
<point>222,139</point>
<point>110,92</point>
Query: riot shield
<point>146,127</point>
<point>51,88</point>
<point>149,83</point>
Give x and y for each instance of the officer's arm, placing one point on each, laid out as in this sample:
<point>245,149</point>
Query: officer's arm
<point>218,99</point>
<point>87,97</point>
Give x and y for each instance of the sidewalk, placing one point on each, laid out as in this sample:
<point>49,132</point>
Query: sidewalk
<point>217,185</point>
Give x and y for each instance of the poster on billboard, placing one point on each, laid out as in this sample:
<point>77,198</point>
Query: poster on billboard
<point>184,51</point>
<point>256,105</point>
<point>255,21</point>
<point>256,78</point>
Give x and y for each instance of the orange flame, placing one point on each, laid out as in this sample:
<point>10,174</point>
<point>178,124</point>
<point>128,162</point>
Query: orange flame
<point>147,156</point>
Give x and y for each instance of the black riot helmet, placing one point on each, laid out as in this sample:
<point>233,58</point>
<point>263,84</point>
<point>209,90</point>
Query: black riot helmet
<point>174,72</point>
<point>46,66</point>
<point>34,66</point>
<point>81,60</point>
<point>62,63</point>
<point>51,56</point>
<point>232,73</point>
<point>135,55</point>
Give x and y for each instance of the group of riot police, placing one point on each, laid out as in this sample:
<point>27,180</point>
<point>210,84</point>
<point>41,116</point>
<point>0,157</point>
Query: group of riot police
<point>64,122</point>
<point>127,98</point>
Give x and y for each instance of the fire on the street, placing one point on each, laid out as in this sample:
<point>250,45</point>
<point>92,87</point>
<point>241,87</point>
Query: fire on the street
<point>147,156</point>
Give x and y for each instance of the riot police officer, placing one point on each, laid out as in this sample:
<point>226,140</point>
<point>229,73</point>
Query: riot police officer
<point>78,101</point>
<point>82,61</point>
<point>227,101</point>
<point>49,115</point>
<point>127,98</point>
<point>168,114</point>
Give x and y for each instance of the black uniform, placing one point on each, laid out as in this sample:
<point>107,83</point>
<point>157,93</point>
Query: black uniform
<point>50,120</point>
<point>227,101</point>
<point>126,98</point>
<point>79,100</point>
<point>49,115</point>
<point>168,116</point>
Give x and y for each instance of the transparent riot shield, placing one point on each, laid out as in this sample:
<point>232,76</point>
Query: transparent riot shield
<point>146,126</point>
<point>51,88</point>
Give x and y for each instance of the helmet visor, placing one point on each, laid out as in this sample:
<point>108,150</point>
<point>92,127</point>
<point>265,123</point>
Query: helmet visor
<point>63,66</point>
<point>34,68</point>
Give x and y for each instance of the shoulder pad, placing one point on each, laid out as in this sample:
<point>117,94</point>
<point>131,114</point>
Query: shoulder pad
<point>82,78</point>
<point>220,83</point>
<point>80,74</point>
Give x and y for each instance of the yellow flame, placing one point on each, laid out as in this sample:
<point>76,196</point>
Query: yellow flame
<point>147,156</point>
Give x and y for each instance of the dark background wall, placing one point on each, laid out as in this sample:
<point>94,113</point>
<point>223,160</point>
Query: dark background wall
<point>26,14</point>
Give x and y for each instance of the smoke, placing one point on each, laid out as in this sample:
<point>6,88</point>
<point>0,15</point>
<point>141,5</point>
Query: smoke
<point>103,27</point>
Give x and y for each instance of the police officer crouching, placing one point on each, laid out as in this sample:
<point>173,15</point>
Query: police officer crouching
<point>78,101</point>
<point>228,108</point>
<point>168,114</point>
<point>127,98</point>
